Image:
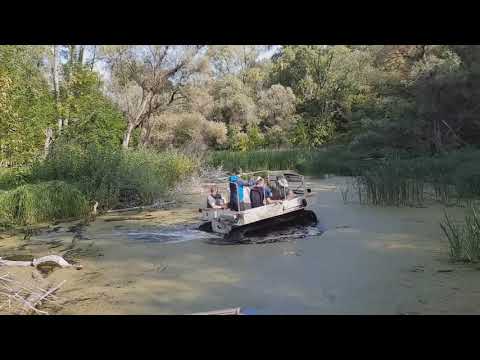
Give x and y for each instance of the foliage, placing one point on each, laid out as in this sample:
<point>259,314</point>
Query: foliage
<point>233,104</point>
<point>46,201</point>
<point>329,83</point>
<point>26,105</point>
<point>277,107</point>
<point>11,178</point>
<point>187,131</point>
<point>92,118</point>
<point>115,177</point>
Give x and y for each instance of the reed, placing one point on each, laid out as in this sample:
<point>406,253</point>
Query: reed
<point>464,240</point>
<point>115,177</point>
<point>42,202</point>
<point>260,160</point>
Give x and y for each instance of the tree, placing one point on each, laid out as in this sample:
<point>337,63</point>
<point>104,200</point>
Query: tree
<point>186,130</point>
<point>235,59</point>
<point>328,81</point>
<point>277,107</point>
<point>26,105</point>
<point>233,103</point>
<point>147,80</point>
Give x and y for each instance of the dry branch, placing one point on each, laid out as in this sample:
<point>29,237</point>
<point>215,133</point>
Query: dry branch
<point>22,298</point>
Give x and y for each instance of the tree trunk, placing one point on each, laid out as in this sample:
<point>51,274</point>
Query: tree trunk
<point>48,141</point>
<point>145,134</point>
<point>73,56</point>
<point>92,63</point>
<point>56,87</point>
<point>437,135</point>
<point>127,135</point>
<point>80,54</point>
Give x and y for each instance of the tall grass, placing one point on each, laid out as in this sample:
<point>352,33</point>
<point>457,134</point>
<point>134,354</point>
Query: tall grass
<point>71,177</point>
<point>260,159</point>
<point>35,203</point>
<point>392,182</point>
<point>464,240</point>
<point>116,177</point>
<point>334,160</point>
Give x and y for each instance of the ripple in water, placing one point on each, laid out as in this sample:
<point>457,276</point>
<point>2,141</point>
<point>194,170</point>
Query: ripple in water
<point>183,234</point>
<point>167,236</point>
<point>283,234</point>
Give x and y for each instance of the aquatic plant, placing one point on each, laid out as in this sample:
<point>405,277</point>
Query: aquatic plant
<point>454,235</point>
<point>464,240</point>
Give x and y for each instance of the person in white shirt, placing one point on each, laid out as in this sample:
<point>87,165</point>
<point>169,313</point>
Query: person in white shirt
<point>215,200</point>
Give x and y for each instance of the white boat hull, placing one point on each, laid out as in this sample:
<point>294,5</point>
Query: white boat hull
<point>224,220</point>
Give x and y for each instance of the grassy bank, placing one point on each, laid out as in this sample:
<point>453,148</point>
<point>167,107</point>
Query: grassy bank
<point>60,186</point>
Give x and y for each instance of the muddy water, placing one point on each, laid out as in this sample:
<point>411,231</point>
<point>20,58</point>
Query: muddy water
<point>360,260</point>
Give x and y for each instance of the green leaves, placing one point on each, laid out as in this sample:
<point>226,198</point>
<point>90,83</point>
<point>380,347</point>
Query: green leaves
<point>26,106</point>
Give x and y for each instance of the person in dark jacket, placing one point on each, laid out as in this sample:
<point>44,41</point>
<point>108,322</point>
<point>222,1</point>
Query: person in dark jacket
<point>261,194</point>
<point>236,185</point>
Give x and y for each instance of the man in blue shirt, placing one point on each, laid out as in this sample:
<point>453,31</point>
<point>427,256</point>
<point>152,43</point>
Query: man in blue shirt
<point>236,185</point>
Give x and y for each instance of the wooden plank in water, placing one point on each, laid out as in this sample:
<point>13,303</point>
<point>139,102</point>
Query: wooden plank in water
<point>234,311</point>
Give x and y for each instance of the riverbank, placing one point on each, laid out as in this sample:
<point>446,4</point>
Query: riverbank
<point>370,260</point>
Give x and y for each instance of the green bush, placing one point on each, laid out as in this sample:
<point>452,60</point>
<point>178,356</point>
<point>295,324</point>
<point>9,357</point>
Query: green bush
<point>11,178</point>
<point>112,177</point>
<point>151,174</point>
<point>46,201</point>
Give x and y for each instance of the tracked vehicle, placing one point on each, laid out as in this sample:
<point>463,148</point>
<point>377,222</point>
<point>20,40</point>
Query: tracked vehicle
<point>287,186</point>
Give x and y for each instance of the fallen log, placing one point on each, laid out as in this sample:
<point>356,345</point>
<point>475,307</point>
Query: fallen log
<point>60,261</point>
<point>154,206</point>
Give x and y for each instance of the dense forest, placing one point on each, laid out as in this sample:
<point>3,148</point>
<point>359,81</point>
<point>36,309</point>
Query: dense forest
<point>94,118</point>
<point>415,98</point>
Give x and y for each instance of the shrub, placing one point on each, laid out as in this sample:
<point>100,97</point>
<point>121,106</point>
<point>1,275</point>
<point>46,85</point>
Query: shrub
<point>46,201</point>
<point>11,178</point>
<point>113,177</point>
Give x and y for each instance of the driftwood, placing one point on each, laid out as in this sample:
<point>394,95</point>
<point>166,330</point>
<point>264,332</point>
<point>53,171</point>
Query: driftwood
<point>22,299</point>
<point>154,206</point>
<point>60,261</point>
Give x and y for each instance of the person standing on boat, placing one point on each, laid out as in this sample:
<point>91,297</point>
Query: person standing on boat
<point>236,185</point>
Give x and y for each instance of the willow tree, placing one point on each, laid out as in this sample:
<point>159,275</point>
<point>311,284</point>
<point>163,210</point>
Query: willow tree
<point>147,80</point>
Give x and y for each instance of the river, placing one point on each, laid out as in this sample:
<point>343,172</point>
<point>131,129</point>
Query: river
<point>359,260</point>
